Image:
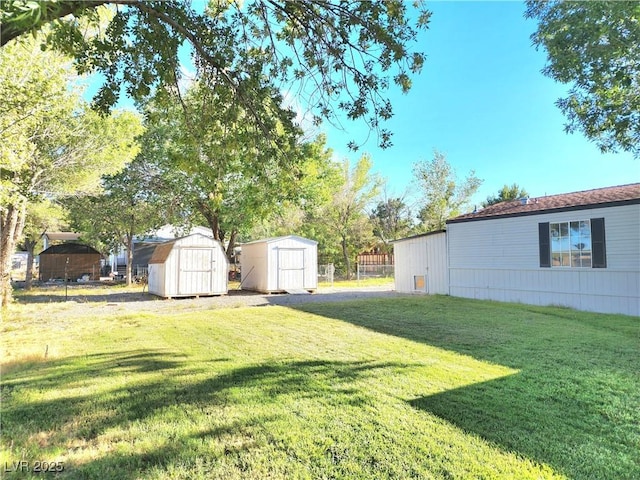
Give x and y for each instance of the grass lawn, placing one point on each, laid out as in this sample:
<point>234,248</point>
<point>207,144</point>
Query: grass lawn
<point>409,387</point>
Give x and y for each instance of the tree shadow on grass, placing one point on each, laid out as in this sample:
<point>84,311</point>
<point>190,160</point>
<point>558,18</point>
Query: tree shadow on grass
<point>187,410</point>
<point>71,369</point>
<point>575,403</point>
<point>182,456</point>
<point>579,436</point>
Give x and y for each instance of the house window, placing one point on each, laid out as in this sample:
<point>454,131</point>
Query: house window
<point>571,244</point>
<point>578,244</point>
<point>418,283</point>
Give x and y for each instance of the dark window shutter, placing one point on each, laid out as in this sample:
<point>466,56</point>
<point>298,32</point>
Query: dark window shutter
<point>545,244</point>
<point>598,246</point>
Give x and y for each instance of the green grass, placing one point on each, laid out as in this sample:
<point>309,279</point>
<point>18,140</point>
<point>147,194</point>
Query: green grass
<point>411,387</point>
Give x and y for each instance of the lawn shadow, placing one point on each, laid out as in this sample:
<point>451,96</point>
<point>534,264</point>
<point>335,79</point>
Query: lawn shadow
<point>579,437</point>
<point>574,403</point>
<point>156,390</point>
<point>76,368</point>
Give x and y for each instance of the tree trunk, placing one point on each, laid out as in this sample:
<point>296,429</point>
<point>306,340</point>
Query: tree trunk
<point>129,259</point>
<point>214,225</point>
<point>232,244</point>
<point>212,219</point>
<point>11,225</point>
<point>345,255</point>
<point>30,245</point>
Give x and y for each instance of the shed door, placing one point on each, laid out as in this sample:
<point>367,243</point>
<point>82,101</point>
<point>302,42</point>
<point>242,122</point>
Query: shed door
<point>290,268</point>
<point>195,271</point>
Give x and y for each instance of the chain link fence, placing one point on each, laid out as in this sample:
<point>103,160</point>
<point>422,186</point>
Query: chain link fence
<point>326,273</point>
<point>374,271</point>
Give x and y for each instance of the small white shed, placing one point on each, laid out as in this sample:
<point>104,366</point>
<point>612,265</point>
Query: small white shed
<point>191,266</point>
<point>421,264</point>
<point>280,264</point>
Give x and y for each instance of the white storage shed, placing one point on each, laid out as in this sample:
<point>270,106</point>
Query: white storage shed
<point>280,264</point>
<point>191,266</point>
<point>421,264</point>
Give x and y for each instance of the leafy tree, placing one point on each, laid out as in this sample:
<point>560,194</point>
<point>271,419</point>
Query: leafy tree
<point>51,145</point>
<point>315,186</point>
<point>593,47</point>
<point>346,215</point>
<point>443,195</point>
<point>331,206</point>
<point>391,220</point>
<point>134,202</point>
<point>308,213</point>
<point>228,172</point>
<point>342,56</point>
<point>41,217</point>
<point>505,194</point>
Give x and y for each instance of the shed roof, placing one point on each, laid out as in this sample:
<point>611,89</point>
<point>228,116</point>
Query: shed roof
<point>420,235</point>
<point>278,239</point>
<point>62,236</point>
<point>69,248</point>
<point>596,198</point>
<point>162,250</point>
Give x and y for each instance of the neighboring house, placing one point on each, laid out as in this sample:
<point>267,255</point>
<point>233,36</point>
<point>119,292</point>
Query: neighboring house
<point>172,232</point>
<point>370,258</point>
<point>580,250</point>
<point>19,266</point>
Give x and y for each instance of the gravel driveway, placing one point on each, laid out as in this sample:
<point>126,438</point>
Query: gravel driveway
<point>114,302</point>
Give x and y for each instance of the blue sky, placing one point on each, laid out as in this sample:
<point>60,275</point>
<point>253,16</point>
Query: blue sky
<point>482,101</point>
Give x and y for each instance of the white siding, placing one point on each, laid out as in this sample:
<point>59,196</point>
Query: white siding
<point>498,259</point>
<point>426,257</point>
<point>197,265</point>
<point>253,265</point>
<point>278,264</point>
<point>156,279</point>
<point>195,268</point>
<point>290,268</point>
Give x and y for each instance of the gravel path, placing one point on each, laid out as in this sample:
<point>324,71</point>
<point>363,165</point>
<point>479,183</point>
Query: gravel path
<point>121,303</point>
